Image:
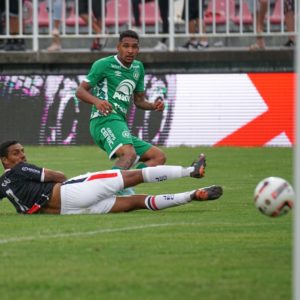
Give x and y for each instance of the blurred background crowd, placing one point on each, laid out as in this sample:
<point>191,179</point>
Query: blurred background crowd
<point>163,25</point>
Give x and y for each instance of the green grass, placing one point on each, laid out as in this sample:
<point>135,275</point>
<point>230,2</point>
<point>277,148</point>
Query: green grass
<point>222,250</point>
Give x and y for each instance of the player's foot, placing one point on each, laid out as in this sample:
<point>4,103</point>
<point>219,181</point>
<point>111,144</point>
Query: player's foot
<point>212,192</point>
<point>126,192</point>
<point>199,166</point>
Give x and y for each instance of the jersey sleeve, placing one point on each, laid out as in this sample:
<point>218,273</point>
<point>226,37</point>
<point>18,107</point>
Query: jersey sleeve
<point>30,172</point>
<point>140,85</point>
<point>96,73</point>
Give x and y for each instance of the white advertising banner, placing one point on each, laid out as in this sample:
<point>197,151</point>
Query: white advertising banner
<point>211,107</point>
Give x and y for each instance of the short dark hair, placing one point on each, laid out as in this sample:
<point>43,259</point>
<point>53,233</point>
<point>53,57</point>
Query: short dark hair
<point>129,33</point>
<point>4,147</point>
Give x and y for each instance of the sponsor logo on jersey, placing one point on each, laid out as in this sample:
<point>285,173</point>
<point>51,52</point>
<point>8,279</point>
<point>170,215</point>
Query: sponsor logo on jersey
<point>118,73</point>
<point>113,66</point>
<point>124,90</point>
<point>109,136</point>
<point>26,169</point>
<point>119,108</point>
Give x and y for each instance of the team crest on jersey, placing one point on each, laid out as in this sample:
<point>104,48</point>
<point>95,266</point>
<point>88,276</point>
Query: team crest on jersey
<point>124,90</point>
<point>126,134</point>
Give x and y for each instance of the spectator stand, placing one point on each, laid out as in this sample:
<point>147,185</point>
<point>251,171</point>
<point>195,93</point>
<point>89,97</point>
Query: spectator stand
<point>228,19</point>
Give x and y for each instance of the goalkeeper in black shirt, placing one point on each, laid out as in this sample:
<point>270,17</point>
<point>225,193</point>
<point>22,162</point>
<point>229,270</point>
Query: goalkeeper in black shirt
<point>32,189</point>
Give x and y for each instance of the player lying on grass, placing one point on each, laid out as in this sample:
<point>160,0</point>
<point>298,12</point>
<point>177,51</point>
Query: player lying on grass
<point>32,189</point>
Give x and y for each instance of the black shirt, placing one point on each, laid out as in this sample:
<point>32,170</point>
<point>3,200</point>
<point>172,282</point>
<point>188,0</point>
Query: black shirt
<point>23,185</point>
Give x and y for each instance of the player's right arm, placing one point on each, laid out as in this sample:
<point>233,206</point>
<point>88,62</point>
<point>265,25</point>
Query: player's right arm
<point>83,93</point>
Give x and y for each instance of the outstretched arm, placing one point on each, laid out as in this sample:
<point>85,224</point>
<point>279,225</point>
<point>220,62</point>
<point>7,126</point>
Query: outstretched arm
<point>141,102</point>
<point>54,176</point>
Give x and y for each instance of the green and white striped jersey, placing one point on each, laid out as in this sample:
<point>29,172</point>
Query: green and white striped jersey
<point>112,81</point>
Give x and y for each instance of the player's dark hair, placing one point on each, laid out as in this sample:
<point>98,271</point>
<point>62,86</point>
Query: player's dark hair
<point>129,33</point>
<point>4,147</point>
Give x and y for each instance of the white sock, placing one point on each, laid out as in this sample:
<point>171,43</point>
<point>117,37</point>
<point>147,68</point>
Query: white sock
<point>161,173</point>
<point>164,201</point>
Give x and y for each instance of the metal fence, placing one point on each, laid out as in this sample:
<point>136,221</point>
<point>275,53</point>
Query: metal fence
<point>222,18</point>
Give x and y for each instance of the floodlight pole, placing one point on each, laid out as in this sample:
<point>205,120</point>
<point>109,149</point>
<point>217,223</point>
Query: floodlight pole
<point>296,255</point>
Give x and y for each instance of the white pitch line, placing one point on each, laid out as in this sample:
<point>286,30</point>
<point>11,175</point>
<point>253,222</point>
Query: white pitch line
<point>83,233</point>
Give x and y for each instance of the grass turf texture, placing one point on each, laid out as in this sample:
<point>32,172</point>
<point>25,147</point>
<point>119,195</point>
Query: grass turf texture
<point>214,250</point>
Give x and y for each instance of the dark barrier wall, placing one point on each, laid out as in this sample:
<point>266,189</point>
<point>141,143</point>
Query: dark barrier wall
<point>43,110</point>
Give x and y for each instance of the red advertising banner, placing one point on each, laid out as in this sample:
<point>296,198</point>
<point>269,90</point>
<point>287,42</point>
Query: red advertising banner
<point>278,92</point>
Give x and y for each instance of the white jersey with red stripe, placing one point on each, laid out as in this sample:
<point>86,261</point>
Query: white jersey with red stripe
<point>91,193</point>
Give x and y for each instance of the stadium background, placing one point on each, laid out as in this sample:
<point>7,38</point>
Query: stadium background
<point>220,250</point>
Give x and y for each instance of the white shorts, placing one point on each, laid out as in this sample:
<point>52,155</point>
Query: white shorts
<point>91,193</point>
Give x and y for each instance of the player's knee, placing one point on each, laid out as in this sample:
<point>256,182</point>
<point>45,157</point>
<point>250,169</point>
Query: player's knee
<point>130,156</point>
<point>127,158</point>
<point>161,158</point>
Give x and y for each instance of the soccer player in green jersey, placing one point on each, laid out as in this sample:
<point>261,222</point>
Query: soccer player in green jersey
<point>109,86</point>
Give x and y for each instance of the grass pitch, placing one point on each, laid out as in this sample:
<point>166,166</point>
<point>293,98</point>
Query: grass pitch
<point>223,249</point>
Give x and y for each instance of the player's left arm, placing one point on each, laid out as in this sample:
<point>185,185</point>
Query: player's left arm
<point>139,95</point>
<point>142,103</point>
